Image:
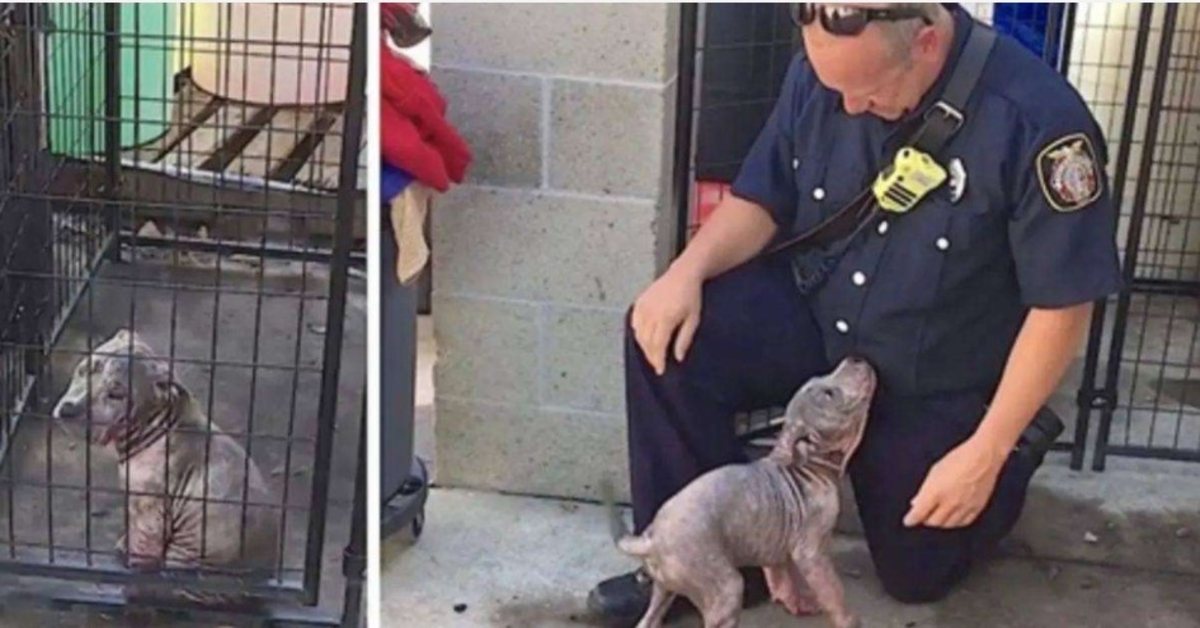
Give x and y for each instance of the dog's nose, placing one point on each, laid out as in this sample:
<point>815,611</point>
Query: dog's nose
<point>854,360</point>
<point>68,410</point>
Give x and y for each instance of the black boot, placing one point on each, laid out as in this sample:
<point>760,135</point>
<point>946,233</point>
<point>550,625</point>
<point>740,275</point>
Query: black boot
<point>1037,439</point>
<point>620,602</point>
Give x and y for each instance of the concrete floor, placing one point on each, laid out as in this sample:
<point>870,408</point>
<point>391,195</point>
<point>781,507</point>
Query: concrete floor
<point>276,403</point>
<point>488,560</point>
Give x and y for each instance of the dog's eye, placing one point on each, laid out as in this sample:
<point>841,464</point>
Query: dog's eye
<point>116,394</point>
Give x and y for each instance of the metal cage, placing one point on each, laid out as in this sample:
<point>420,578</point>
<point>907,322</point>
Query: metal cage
<point>1140,67</point>
<point>192,173</point>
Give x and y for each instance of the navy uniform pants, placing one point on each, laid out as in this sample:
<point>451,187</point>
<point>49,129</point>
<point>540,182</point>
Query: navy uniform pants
<point>756,345</point>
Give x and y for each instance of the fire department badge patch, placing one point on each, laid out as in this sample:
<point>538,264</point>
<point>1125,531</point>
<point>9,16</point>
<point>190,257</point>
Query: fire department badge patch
<point>1068,173</point>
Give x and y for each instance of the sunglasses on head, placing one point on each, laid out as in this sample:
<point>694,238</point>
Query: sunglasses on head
<point>848,21</point>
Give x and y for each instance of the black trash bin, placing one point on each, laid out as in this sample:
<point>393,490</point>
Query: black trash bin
<point>404,486</point>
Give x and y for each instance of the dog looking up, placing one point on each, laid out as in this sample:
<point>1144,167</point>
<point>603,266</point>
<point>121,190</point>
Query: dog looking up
<point>777,512</point>
<point>187,479</point>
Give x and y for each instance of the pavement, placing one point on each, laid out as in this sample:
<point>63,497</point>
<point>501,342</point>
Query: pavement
<point>491,560</point>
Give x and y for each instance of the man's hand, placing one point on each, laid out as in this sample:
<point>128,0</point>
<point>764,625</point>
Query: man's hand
<point>672,302</point>
<point>958,487</point>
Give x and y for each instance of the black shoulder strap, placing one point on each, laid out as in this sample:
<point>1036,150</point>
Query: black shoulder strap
<point>941,121</point>
<point>945,117</point>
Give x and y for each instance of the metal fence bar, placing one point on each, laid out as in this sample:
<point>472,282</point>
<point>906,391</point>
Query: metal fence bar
<point>336,313</point>
<point>1103,397</point>
<point>1137,218</point>
<point>685,87</point>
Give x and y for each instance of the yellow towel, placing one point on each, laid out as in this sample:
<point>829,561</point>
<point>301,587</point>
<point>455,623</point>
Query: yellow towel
<point>408,221</point>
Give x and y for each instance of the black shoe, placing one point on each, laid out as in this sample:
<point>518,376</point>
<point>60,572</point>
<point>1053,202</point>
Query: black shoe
<point>1037,439</point>
<point>620,602</point>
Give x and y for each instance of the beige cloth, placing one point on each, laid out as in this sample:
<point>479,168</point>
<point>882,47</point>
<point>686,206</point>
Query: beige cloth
<point>408,222</point>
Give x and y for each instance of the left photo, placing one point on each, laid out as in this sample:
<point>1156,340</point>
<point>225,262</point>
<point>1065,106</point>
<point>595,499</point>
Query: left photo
<point>183,314</point>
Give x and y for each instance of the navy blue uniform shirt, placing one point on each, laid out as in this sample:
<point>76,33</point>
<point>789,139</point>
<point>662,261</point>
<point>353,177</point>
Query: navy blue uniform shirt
<point>935,298</point>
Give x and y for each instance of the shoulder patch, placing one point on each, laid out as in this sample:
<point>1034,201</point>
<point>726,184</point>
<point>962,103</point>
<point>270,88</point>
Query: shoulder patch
<point>1068,173</point>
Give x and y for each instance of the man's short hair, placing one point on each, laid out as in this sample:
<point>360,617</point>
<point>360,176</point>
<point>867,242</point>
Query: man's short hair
<point>901,34</point>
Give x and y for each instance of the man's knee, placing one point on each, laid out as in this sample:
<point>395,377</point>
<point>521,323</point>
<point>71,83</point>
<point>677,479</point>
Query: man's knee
<point>920,575</point>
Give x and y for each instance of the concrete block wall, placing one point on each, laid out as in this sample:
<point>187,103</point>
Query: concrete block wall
<point>564,219</point>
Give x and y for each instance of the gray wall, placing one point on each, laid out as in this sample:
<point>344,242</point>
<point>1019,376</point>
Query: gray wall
<point>564,219</point>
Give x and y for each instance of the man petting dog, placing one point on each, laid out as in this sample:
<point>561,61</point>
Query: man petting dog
<point>968,285</point>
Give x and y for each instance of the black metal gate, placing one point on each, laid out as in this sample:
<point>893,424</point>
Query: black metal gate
<point>142,189</point>
<point>1142,349</point>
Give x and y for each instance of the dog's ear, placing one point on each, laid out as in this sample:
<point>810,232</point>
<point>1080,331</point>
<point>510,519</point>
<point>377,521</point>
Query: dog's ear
<point>159,372</point>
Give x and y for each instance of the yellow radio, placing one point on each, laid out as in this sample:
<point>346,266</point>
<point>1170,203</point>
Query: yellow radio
<point>903,184</point>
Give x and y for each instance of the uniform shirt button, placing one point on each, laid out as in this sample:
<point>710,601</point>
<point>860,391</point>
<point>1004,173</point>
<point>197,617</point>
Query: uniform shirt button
<point>842,326</point>
<point>883,227</point>
<point>858,278</point>
<point>943,244</point>
<point>795,163</point>
<point>818,193</point>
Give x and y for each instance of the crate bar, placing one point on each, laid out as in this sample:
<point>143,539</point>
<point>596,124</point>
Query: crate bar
<point>272,615</point>
<point>336,312</point>
<point>193,579</point>
<point>226,247</point>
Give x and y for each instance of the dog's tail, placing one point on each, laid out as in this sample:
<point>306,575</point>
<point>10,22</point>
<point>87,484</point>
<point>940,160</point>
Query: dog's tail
<point>625,541</point>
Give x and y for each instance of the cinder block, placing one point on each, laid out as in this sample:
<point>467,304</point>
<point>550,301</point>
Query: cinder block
<point>582,365</point>
<point>606,41</point>
<point>537,246</point>
<point>486,349</point>
<point>522,449</point>
<point>607,139</point>
<point>500,117</point>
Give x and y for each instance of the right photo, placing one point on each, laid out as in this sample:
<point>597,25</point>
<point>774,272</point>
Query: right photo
<point>789,314</point>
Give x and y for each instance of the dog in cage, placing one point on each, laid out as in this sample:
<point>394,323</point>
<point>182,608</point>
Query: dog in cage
<point>196,500</point>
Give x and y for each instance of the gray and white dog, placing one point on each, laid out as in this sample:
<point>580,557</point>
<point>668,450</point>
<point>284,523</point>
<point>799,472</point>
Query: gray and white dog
<point>777,512</point>
<point>188,480</point>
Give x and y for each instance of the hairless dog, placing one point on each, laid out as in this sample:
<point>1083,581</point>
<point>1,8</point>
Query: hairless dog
<point>777,513</point>
<point>196,500</point>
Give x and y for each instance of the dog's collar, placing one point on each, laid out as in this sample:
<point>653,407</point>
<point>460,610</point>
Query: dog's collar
<point>131,438</point>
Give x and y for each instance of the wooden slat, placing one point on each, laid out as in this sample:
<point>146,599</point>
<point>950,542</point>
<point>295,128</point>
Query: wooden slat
<point>191,108</point>
<point>321,171</point>
<point>304,150</point>
<point>274,144</point>
<point>234,144</point>
<point>182,131</point>
<point>199,146</point>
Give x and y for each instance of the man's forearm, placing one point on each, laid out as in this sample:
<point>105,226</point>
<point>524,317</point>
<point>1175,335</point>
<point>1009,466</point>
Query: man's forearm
<point>734,233</point>
<point>1049,340</point>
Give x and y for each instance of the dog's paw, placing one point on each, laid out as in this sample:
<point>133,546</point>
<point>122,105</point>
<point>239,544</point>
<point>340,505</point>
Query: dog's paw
<point>788,590</point>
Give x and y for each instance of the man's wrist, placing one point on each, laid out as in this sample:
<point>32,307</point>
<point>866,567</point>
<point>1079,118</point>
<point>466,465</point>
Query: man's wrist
<point>687,267</point>
<point>998,436</point>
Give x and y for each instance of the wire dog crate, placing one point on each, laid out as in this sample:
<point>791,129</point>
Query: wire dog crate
<point>1140,67</point>
<point>192,173</point>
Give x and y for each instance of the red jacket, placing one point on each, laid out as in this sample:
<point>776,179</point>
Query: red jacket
<point>416,137</point>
